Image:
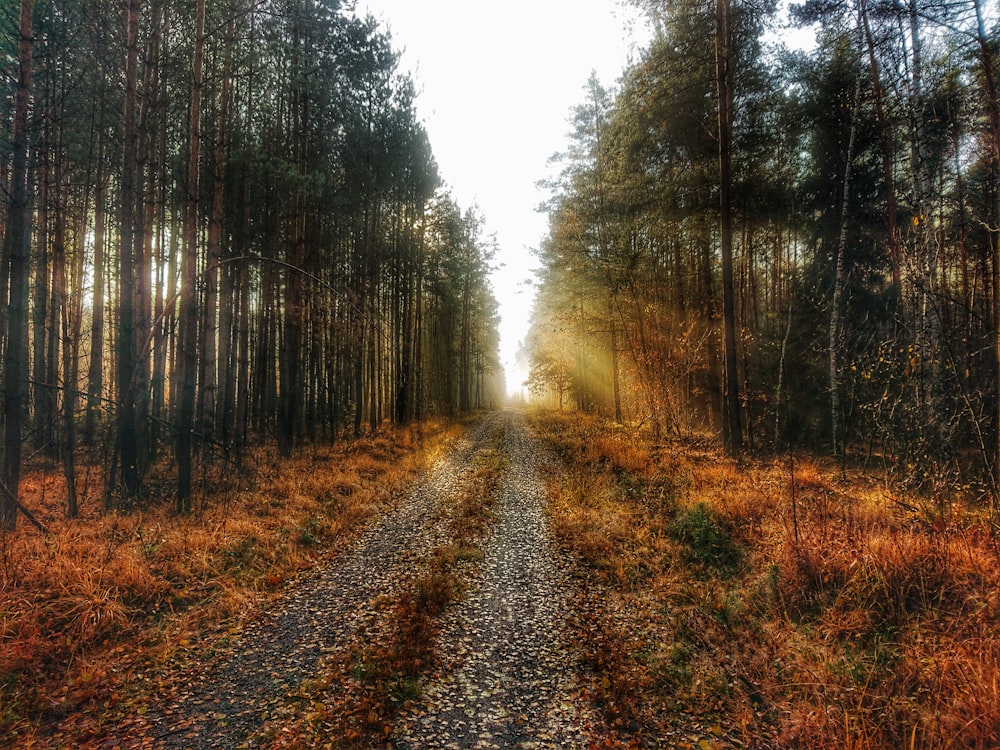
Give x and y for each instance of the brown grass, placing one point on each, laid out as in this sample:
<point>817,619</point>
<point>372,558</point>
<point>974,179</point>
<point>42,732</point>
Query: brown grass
<point>878,629</point>
<point>108,596</point>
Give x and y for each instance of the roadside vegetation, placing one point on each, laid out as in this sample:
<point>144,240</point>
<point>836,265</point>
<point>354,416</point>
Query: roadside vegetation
<point>744,608</point>
<point>93,611</point>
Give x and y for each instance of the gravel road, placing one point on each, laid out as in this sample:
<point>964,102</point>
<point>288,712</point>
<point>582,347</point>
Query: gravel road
<point>505,676</point>
<point>508,675</point>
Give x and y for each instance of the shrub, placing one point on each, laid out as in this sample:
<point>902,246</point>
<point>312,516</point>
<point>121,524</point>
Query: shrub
<point>707,538</point>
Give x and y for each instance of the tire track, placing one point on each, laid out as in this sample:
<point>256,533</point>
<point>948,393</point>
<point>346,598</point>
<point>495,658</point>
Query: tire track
<point>267,672</point>
<point>507,675</point>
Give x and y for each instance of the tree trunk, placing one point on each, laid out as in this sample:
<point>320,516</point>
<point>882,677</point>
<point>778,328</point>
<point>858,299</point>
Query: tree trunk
<point>15,256</point>
<point>214,366</point>
<point>69,306</point>
<point>95,371</point>
<point>42,331</point>
<point>615,377</point>
<point>226,391</point>
<point>838,281</point>
<point>128,428</point>
<point>885,147</point>
<point>724,79</point>
<point>189,266</point>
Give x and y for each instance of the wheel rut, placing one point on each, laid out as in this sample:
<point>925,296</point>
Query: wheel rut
<point>507,676</point>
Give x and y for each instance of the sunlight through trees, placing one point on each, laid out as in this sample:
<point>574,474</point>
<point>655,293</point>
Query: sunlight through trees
<point>224,225</point>
<point>864,226</point>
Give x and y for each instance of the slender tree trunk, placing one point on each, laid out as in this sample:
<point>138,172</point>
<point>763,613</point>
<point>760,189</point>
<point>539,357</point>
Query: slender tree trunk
<point>226,391</point>
<point>41,324</point>
<point>838,282</point>
<point>128,428</point>
<point>374,282</point>
<point>242,376</point>
<point>615,377</point>
<point>418,338</point>
<point>464,359</point>
<point>243,358</point>
<point>885,147</point>
<point>213,366</point>
<point>58,288</point>
<point>147,176</point>
<point>95,371</point>
<point>150,334</point>
<point>290,355</point>
<point>172,310</point>
<point>724,80</point>
<point>928,328</point>
<point>70,324</point>
<point>164,304</point>
<point>15,257</point>
<point>291,339</point>
<point>189,264</point>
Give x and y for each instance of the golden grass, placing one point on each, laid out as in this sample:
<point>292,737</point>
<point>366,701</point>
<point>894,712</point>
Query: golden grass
<point>878,626</point>
<point>108,595</point>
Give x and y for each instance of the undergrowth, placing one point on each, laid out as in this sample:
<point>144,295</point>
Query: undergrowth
<point>90,610</point>
<point>859,618</point>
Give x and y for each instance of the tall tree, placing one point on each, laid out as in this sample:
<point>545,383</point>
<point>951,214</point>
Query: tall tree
<point>188,321</point>
<point>724,83</point>
<point>15,257</point>
<point>127,448</point>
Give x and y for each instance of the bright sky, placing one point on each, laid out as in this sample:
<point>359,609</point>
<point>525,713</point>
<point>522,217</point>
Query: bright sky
<point>497,81</point>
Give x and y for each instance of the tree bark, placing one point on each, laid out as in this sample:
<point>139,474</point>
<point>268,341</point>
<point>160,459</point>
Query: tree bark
<point>838,280</point>
<point>95,370</point>
<point>42,331</point>
<point>189,266</point>
<point>885,146</point>
<point>225,401</point>
<point>724,79</point>
<point>128,428</point>
<point>15,256</point>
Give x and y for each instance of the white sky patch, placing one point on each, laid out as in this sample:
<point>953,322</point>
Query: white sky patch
<point>497,83</point>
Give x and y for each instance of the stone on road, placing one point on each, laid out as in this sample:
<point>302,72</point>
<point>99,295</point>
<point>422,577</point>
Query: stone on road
<point>505,675</point>
<point>508,675</point>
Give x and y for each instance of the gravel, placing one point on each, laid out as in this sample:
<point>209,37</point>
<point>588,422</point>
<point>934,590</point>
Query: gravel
<point>271,664</point>
<point>507,678</point>
<point>505,667</point>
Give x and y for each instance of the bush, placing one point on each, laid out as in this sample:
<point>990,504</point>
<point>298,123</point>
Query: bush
<point>707,539</point>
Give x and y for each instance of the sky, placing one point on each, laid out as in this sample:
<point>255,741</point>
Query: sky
<point>497,82</point>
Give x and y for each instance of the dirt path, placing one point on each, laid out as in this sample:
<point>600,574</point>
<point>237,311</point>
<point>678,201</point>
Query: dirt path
<point>508,675</point>
<point>505,676</point>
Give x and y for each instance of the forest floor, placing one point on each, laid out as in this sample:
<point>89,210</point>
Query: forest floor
<point>541,582</point>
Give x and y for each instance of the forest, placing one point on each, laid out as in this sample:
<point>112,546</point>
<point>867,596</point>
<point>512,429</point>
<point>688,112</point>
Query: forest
<point>788,248</point>
<point>260,484</point>
<point>230,226</point>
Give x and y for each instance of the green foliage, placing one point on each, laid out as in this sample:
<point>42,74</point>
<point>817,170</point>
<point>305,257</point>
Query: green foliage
<point>706,538</point>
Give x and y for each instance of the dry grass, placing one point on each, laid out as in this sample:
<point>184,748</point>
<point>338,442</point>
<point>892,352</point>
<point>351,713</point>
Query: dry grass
<point>879,627</point>
<point>107,596</point>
